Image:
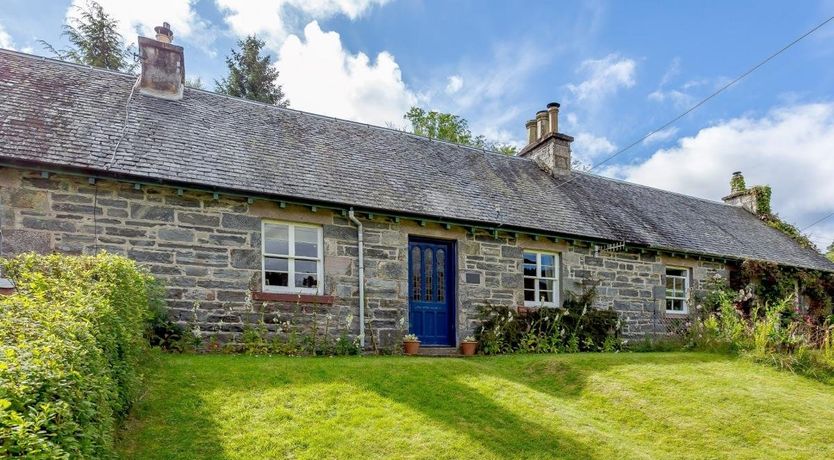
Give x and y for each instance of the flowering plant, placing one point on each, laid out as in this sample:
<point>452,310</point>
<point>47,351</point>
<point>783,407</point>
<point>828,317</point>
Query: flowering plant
<point>410,338</point>
<point>469,338</point>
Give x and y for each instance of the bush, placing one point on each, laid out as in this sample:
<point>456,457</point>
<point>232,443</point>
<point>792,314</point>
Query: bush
<point>161,332</point>
<point>575,327</point>
<point>772,333</point>
<point>71,341</point>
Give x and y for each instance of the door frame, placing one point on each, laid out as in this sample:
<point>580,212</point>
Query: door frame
<point>451,282</point>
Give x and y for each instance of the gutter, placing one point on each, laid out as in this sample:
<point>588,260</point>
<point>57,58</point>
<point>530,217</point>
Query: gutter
<point>361,242</point>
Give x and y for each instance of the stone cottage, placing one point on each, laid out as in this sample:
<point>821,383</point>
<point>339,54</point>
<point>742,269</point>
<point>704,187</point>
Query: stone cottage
<point>248,211</point>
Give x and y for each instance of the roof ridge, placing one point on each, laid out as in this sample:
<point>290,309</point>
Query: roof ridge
<point>671,192</point>
<point>264,104</point>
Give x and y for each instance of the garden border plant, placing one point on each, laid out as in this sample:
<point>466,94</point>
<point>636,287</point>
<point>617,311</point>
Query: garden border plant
<point>574,327</point>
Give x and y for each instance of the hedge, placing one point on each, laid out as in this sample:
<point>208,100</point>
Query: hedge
<point>71,342</point>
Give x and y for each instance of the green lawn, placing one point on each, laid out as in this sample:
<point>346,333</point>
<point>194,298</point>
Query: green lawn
<point>650,405</point>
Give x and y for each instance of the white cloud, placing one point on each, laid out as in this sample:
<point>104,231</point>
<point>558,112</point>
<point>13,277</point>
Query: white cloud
<point>677,97</point>
<point>491,89</point>
<point>455,83</point>
<point>672,71</point>
<point>661,136</point>
<point>319,75</point>
<point>273,21</point>
<point>604,76</point>
<point>588,147</point>
<point>682,97</point>
<point>135,19</point>
<point>788,148</point>
<point>5,39</point>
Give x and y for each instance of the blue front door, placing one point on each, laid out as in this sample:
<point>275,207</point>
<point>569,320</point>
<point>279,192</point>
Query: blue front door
<point>431,275</point>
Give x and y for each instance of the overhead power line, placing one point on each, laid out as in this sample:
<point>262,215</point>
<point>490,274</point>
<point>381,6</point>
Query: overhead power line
<point>818,221</point>
<point>707,99</point>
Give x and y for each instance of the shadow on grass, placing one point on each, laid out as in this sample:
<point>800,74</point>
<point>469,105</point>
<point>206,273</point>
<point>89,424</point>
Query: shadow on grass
<point>435,388</point>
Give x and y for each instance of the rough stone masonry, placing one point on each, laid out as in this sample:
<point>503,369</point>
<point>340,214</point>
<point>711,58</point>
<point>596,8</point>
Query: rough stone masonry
<point>206,250</point>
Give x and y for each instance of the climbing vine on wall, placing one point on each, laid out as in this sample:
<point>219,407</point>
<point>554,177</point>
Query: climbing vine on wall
<point>770,283</point>
<point>762,195</point>
<point>767,283</point>
<point>737,183</point>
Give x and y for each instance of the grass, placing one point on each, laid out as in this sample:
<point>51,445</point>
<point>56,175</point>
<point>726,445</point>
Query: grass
<point>638,405</point>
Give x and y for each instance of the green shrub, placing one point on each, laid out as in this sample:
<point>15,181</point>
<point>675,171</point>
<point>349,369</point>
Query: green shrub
<point>161,331</point>
<point>575,327</point>
<point>71,342</point>
<point>773,334</point>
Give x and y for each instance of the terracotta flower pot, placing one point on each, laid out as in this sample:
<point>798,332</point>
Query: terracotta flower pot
<point>468,348</point>
<point>411,348</point>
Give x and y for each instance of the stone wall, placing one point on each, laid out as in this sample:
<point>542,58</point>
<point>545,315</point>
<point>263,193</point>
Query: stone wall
<point>206,251</point>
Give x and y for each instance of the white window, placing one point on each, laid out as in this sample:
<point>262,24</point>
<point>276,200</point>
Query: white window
<point>292,258</point>
<point>677,289</point>
<point>541,279</point>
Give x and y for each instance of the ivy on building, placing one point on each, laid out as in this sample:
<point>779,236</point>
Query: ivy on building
<point>769,282</point>
<point>762,194</point>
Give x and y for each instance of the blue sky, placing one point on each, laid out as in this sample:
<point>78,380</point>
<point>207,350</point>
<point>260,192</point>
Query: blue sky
<point>619,69</point>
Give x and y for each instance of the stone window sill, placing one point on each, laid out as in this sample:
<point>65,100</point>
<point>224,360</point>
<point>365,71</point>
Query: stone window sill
<point>523,310</point>
<point>294,298</point>
<point>675,313</point>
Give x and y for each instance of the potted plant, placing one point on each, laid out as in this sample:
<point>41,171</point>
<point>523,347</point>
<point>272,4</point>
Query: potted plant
<point>411,344</point>
<point>468,346</point>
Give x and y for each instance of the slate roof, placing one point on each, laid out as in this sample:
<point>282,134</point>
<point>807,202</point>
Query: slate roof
<point>67,115</point>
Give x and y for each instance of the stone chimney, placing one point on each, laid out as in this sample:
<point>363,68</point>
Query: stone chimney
<point>549,148</point>
<point>755,199</point>
<point>163,65</point>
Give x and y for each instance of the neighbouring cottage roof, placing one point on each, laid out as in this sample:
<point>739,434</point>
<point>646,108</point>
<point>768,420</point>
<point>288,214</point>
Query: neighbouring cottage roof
<point>70,116</point>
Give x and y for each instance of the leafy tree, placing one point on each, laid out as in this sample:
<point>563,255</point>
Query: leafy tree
<point>451,128</point>
<point>830,252</point>
<point>251,75</point>
<point>196,83</point>
<point>95,41</point>
<point>505,149</point>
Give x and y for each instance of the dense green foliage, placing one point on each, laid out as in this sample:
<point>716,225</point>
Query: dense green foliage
<point>569,406</point>
<point>451,128</point>
<point>737,183</point>
<point>251,75</point>
<point>767,283</point>
<point>762,195</point>
<point>575,327</point>
<point>95,41</point>
<point>773,333</point>
<point>166,334</point>
<point>71,341</point>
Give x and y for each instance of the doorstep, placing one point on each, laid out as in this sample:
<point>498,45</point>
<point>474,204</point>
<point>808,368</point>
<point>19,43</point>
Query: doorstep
<point>444,352</point>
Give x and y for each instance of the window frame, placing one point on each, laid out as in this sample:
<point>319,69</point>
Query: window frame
<point>685,299</point>
<point>557,288</point>
<point>291,258</point>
